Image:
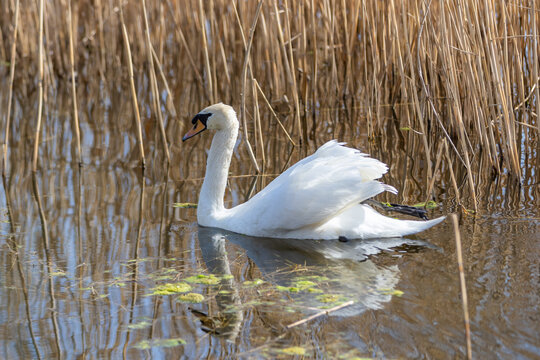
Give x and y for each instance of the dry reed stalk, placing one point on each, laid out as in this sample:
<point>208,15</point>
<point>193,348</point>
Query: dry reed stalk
<point>452,176</point>
<point>102,64</point>
<point>315,60</point>
<point>224,59</point>
<point>13,59</point>
<point>463,285</point>
<point>40,86</point>
<point>258,127</point>
<point>244,76</point>
<point>205,48</point>
<point>534,49</point>
<point>153,85</point>
<point>133,91</point>
<point>293,75</point>
<point>76,126</point>
<point>273,113</point>
<point>179,33</point>
<point>170,99</point>
<point>438,159</point>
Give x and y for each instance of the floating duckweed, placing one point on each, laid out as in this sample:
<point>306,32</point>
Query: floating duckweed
<point>191,298</point>
<point>254,282</point>
<point>162,277</point>
<point>392,292</point>
<point>287,288</point>
<point>314,290</point>
<point>57,273</point>
<point>227,277</point>
<point>328,298</point>
<point>185,205</point>
<point>147,344</point>
<point>168,289</point>
<point>294,350</point>
<point>305,284</point>
<point>139,325</point>
<point>224,292</point>
<point>203,279</point>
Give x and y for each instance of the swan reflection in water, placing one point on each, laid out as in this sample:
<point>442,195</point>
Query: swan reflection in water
<point>346,265</point>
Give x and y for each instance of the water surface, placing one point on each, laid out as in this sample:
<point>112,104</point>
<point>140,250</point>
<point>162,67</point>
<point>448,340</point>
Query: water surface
<point>83,250</point>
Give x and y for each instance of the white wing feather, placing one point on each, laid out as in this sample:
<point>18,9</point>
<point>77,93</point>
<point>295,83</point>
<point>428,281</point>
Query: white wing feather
<point>314,190</point>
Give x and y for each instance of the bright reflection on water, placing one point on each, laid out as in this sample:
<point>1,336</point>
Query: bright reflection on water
<point>82,252</point>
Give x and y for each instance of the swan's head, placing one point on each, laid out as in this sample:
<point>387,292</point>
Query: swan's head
<point>214,117</point>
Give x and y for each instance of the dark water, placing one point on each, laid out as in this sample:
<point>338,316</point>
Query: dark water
<point>82,251</point>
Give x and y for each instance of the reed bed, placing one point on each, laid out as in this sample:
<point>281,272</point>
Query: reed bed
<point>460,78</point>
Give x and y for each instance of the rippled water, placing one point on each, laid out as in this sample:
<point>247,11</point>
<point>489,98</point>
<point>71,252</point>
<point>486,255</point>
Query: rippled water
<point>83,250</point>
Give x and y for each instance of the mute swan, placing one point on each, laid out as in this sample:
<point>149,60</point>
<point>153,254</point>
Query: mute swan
<point>317,198</point>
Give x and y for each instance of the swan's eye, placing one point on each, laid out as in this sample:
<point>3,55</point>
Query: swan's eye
<point>201,117</point>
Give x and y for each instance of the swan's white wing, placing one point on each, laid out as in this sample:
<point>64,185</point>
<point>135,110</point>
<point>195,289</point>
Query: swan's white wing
<point>314,190</point>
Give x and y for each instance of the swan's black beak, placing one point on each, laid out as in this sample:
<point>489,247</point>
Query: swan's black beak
<point>199,125</point>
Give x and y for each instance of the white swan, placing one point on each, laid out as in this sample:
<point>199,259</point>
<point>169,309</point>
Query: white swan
<point>317,198</point>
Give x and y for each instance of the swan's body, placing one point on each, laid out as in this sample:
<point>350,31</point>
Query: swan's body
<point>317,198</point>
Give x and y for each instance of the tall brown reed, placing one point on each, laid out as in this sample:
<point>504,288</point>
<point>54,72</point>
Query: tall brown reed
<point>13,58</point>
<point>466,72</point>
<point>132,87</point>
<point>40,86</point>
<point>73,87</point>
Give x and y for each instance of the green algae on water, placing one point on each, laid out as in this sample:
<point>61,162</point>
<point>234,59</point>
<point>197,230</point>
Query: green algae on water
<point>192,298</point>
<point>203,279</point>
<point>287,288</point>
<point>304,284</point>
<point>328,298</point>
<point>140,325</point>
<point>171,288</point>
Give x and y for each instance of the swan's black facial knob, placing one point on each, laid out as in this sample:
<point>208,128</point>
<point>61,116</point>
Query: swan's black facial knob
<point>199,125</point>
<point>201,117</point>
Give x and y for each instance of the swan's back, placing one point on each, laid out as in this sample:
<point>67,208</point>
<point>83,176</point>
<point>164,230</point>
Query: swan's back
<point>311,193</point>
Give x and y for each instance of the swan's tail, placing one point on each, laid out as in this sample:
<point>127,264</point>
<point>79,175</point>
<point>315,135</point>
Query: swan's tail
<point>363,222</point>
<point>408,227</point>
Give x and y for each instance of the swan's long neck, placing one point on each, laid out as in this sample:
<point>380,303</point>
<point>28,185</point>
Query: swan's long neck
<point>217,168</point>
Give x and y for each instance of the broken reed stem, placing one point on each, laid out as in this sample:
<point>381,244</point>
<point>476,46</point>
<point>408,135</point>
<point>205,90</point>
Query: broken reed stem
<point>133,91</point>
<point>463,285</point>
<point>319,314</point>
<point>170,100</point>
<point>244,76</point>
<point>10,93</point>
<point>73,89</point>
<point>40,85</point>
<point>273,113</point>
<point>153,85</point>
